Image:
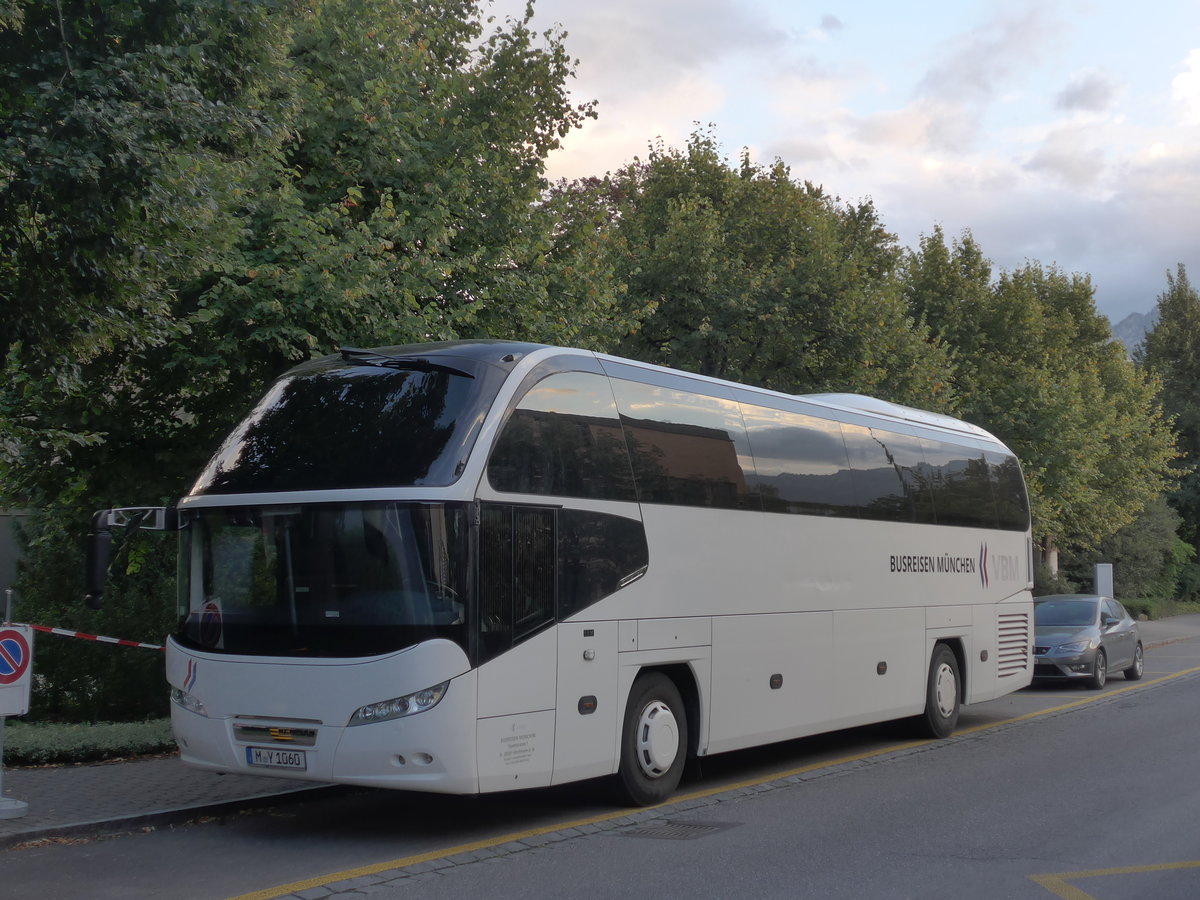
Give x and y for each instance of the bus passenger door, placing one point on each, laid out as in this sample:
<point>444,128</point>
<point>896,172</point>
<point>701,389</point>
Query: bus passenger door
<point>587,718</point>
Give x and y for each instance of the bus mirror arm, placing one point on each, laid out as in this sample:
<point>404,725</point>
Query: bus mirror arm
<point>99,543</point>
<point>99,549</point>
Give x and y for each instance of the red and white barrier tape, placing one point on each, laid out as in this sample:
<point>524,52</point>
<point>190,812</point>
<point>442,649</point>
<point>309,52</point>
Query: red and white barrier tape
<point>94,637</point>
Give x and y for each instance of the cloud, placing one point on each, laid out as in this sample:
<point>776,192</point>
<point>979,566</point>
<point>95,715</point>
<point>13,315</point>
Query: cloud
<point>1087,91</point>
<point>831,23</point>
<point>609,142</point>
<point>987,55</point>
<point>1185,90</point>
<point>1069,155</point>
<point>633,46</point>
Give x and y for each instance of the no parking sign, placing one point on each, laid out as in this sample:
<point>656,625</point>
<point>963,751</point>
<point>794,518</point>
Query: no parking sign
<point>16,670</point>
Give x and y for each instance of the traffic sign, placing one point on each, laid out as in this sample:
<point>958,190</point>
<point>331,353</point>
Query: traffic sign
<point>16,655</point>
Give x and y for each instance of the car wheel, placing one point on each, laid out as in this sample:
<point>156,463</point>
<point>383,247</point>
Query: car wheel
<point>1134,672</point>
<point>654,741</point>
<point>942,693</point>
<point>1099,671</point>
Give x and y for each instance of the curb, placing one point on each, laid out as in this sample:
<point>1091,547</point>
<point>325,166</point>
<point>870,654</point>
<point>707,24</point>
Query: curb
<point>108,827</point>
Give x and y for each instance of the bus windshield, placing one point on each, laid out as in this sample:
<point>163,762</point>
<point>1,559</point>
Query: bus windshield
<point>323,580</point>
<point>333,426</point>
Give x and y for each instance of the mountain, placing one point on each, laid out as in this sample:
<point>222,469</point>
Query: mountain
<point>1131,329</point>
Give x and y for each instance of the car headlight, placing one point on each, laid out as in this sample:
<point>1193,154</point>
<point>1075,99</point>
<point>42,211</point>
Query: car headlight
<point>408,705</point>
<point>1076,646</point>
<point>188,701</point>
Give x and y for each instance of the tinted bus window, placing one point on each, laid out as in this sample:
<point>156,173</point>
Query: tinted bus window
<point>687,449</point>
<point>597,554</point>
<point>961,480</point>
<point>1012,503</point>
<point>800,463</point>
<point>890,479</point>
<point>516,575</point>
<point>564,439</point>
<point>352,427</point>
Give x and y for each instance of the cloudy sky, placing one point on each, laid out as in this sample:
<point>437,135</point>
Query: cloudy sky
<point>1062,131</point>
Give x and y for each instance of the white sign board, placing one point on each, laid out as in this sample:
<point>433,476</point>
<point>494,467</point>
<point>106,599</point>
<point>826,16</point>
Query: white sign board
<point>16,669</point>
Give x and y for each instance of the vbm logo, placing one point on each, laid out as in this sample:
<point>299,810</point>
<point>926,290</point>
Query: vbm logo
<point>999,566</point>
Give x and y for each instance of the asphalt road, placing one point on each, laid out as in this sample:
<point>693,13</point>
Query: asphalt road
<point>1063,792</point>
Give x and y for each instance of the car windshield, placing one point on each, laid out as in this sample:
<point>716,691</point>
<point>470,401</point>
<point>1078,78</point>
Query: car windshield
<point>326,580</point>
<point>1076,611</point>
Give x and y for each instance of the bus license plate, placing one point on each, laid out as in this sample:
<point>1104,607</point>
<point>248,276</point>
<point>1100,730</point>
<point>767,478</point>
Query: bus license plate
<point>269,757</point>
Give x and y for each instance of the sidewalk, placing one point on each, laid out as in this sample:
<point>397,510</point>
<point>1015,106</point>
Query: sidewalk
<point>110,798</point>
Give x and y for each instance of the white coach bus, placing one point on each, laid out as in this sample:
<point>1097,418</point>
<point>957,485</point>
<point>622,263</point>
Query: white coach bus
<point>478,566</point>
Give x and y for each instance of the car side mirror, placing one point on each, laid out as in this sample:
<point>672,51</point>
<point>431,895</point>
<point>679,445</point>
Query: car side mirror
<point>1109,621</point>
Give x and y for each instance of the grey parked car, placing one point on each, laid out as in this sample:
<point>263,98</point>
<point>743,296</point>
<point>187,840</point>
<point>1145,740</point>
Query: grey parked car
<point>1084,637</point>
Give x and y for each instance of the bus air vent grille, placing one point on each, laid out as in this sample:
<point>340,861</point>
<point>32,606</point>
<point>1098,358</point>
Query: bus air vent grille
<point>1013,643</point>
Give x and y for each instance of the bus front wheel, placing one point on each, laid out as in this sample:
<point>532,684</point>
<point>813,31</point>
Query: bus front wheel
<point>654,741</point>
<point>942,694</point>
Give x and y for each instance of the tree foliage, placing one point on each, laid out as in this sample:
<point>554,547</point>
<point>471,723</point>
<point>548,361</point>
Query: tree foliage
<point>195,194</point>
<point>744,273</point>
<point>1171,350</point>
<point>1147,555</point>
<point>1036,365</point>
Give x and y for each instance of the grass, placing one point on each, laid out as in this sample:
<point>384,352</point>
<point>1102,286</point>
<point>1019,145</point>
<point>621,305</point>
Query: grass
<point>52,743</point>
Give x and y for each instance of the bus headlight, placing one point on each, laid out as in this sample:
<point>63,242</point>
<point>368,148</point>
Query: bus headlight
<point>187,701</point>
<point>408,705</point>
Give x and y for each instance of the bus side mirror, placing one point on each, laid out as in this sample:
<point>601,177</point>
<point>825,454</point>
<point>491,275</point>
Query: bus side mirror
<point>99,549</point>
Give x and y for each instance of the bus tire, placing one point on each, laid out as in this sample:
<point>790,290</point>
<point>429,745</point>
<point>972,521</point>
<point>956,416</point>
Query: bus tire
<point>654,741</point>
<point>942,693</point>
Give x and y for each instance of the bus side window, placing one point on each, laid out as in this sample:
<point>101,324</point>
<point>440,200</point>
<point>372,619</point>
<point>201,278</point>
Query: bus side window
<point>687,449</point>
<point>597,553</point>
<point>564,439</point>
<point>1012,503</point>
<point>890,478</point>
<point>517,576</point>
<point>962,485</point>
<point>800,463</point>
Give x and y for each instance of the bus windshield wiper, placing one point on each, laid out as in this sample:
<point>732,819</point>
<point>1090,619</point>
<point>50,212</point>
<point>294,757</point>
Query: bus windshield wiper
<point>413,363</point>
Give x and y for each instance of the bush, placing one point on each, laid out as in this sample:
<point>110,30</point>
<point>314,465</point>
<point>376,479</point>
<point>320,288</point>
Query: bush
<point>40,743</point>
<point>1047,582</point>
<point>87,681</point>
<point>1140,608</point>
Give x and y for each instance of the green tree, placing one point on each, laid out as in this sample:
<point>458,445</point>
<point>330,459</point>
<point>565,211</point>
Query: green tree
<point>196,193</point>
<point>126,128</point>
<point>744,273</point>
<point>1171,350</point>
<point>1147,555</point>
<point>1035,364</point>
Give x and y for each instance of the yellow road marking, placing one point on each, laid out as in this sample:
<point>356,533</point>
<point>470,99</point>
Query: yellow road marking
<point>404,862</point>
<point>1057,883</point>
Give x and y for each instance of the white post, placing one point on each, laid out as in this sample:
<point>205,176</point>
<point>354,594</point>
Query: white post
<point>1103,580</point>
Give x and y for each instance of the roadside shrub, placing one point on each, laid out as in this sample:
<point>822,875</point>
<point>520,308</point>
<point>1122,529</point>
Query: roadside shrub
<point>86,681</point>
<point>43,743</point>
<point>1047,582</point>
<point>1139,608</point>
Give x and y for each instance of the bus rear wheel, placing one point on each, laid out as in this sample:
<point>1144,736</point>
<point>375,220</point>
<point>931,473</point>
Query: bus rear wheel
<point>654,741</point>
<point>942,694</point>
